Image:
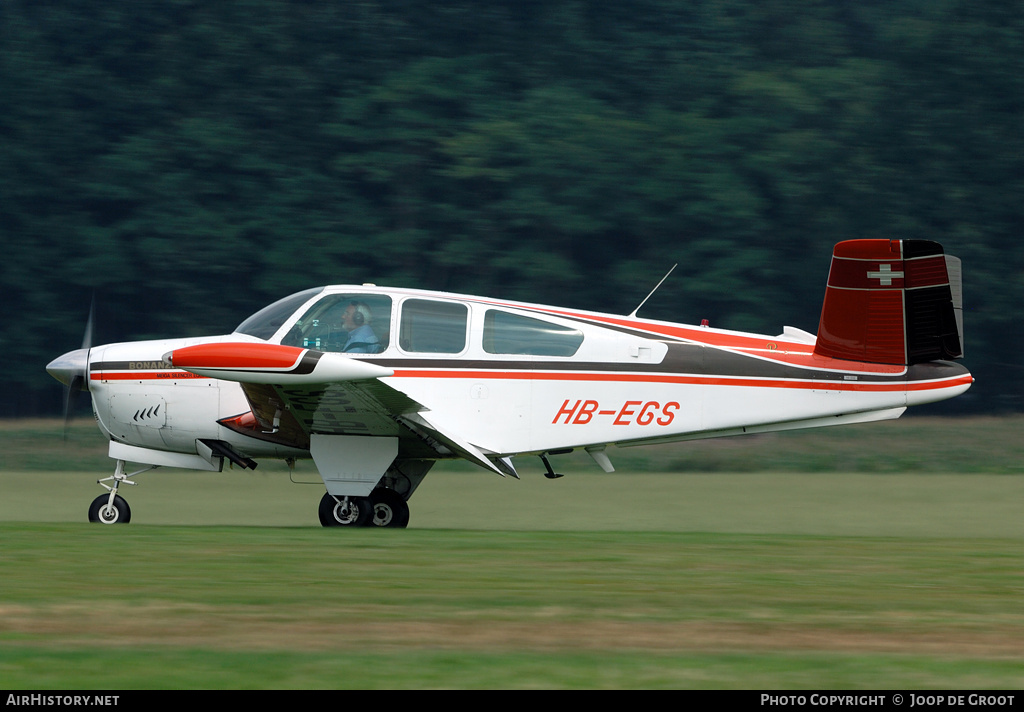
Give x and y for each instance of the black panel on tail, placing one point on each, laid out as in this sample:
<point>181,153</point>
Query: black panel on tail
<point>931,324</point>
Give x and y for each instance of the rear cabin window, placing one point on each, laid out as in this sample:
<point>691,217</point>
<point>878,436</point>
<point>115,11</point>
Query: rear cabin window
<point>433,327</point>
<point>506,333</point>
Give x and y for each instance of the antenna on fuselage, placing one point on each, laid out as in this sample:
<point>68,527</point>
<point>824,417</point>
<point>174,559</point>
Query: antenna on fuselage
<point>633,314</point>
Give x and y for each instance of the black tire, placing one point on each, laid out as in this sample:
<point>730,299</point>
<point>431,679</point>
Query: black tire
<point>100,513</point>
<point>389,509</point>
<point>358,513</point>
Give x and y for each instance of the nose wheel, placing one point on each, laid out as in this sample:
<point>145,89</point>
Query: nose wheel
<point>111,508</point>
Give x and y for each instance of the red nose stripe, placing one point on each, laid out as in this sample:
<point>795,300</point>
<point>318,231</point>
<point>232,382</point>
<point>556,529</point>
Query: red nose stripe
<point>237,355</point>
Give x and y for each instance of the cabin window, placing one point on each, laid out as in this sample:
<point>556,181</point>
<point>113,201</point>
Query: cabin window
<point>433,327</point>
<point>344,323</point>
<point>507,333</point>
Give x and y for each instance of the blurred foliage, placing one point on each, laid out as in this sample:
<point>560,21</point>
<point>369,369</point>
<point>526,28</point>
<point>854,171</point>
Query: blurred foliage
<point>189,162</point>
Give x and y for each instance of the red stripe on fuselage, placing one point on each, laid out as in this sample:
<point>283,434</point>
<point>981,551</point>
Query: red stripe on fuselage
<point>598,377</point>
<point>686,379</point>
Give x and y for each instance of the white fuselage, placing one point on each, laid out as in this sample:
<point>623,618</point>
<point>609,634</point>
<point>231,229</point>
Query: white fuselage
<point>629,381</point>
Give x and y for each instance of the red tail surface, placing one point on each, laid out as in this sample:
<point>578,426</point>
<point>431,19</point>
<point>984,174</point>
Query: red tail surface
<point>891,301</point>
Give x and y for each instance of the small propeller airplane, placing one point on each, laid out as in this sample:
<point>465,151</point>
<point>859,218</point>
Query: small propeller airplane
<point>376,385</point>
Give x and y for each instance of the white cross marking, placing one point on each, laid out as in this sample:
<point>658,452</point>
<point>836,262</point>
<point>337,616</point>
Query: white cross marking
<point>885,275</point>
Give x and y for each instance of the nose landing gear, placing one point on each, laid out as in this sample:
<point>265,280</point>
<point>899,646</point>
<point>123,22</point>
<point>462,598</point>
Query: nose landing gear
<point>111,508</point>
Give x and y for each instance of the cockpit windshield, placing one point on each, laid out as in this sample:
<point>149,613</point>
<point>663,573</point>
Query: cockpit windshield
<point>265,323</point>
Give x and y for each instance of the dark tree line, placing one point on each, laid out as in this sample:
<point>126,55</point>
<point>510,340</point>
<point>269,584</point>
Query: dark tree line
<point>187,162</point>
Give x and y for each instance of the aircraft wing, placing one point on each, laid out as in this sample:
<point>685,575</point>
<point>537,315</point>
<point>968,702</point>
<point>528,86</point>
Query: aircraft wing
<point>298,394</point>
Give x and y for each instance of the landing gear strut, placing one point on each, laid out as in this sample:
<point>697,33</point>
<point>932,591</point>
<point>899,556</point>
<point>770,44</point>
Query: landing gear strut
<point>111,508</point>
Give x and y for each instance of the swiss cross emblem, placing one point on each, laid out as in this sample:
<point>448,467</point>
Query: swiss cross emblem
<point>885,275</point>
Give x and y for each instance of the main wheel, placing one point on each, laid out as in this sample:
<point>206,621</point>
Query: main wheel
<point>356,512</point>
<point>103,512</point>
<point>389,509</point>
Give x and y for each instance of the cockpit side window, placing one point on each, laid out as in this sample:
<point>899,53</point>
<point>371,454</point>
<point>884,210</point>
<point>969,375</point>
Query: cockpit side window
<point>265,323</point>
<point>344,323</point>
<point>433,327</point>
<point>507,333</point>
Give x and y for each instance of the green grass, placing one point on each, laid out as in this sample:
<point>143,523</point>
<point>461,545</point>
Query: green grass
<point>748,503</point>
<point>162,606</point>
<point>769,579</point>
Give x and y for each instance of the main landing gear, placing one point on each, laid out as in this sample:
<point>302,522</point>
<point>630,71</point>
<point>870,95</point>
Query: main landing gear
<point>111,508</point>
<point>383,508</point>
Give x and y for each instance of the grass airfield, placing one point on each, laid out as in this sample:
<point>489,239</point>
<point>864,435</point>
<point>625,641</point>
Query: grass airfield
<point>820,578</point>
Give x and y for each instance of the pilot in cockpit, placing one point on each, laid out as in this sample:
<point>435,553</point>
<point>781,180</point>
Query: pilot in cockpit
<point>339,324</point>
<point>361,338</point>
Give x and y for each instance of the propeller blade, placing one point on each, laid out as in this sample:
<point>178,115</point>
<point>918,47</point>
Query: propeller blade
<point>73,387</point>
<point>73,368</point>
<point>87,338</point>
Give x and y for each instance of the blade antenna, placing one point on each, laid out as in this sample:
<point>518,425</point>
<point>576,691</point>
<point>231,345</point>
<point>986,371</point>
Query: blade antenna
<point>633,314</point>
